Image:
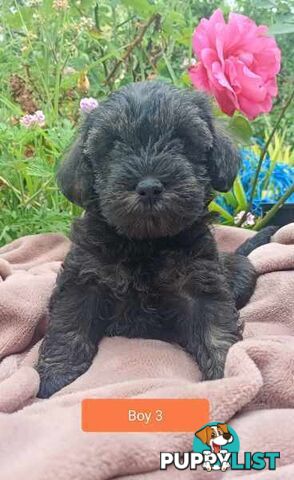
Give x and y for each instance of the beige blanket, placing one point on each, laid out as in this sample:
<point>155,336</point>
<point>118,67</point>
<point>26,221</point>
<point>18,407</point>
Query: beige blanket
<point>42,439</point>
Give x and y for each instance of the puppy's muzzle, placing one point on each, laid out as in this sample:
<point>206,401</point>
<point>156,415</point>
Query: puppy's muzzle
<point>149,189</point>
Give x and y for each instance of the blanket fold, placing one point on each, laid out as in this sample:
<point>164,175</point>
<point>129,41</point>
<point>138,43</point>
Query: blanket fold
<point>42,439</point>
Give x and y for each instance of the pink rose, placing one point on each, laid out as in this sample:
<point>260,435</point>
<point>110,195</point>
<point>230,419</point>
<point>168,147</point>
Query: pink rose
<point>238,63</point>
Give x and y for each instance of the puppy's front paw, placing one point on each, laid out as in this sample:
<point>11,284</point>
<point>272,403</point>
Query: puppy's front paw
<point>214,369</point>
<point>225,466</point>
<point>206,466</point>
<point>51,382</point>
<point>46,388</point>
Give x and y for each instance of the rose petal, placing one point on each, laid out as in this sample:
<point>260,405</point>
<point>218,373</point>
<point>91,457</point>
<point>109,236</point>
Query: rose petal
<point>238,63</point>
<point>198,76</point>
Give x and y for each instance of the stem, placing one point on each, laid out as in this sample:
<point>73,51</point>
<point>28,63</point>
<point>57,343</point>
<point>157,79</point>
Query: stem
<point>96,16</point>
<point>264,221</point>
<point>151,61</point>
<point>265,149</point>
<point>137,40</point>
<point>26,66</point>
<point>58,69</point>
<point>262,156</point>
<point>169,52</point>
<point>33,56</point>
<point>192,28</point>
<point>30,199</point>
<point>113,11</point>
<point>170,69</point>
<point>74,41</point>
<point>9,185</point>
<point>97,24</point>
<point>126,21</point>
<point>105,57</point>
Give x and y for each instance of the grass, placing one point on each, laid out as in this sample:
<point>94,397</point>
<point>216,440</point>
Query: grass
<point>50,58</point>
<point>29,197</point>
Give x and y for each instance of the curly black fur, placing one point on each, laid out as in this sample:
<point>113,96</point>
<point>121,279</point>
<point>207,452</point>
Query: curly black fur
<point>146,265</point>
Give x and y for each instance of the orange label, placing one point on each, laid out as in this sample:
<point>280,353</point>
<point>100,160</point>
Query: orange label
<point>144,415</point>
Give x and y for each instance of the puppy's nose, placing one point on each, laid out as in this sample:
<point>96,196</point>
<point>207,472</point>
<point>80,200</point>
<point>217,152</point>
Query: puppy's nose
<point>227,436</point>
<point>149,188</point>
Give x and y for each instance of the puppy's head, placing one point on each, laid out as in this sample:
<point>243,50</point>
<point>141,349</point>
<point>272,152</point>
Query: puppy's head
<point>215,436</point>
<point>148,158</point>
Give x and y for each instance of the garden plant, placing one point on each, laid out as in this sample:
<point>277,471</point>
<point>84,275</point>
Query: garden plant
<point>60,58</point>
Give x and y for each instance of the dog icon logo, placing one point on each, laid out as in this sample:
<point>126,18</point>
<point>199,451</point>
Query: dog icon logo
<point>216,446</point>
<point>216,441</point>
<point>215,437</point>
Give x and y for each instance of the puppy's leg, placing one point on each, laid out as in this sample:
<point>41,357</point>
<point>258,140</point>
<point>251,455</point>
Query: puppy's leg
<point>241,277</point>
<point>261,238</point>
<point>239,271</point>
<point>216,327</point>
<point>71,340</point>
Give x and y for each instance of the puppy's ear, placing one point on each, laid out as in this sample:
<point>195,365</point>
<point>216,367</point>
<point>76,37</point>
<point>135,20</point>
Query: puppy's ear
<point>203,434</point>
<point>75,177</point>
<point>223,427</point>
<point>223,161</point>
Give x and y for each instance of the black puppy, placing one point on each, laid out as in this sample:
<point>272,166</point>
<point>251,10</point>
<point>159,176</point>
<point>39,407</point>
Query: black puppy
<point>143,261</point>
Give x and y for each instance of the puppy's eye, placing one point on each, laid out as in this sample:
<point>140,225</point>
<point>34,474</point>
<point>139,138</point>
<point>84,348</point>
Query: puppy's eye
<point>213,435</point>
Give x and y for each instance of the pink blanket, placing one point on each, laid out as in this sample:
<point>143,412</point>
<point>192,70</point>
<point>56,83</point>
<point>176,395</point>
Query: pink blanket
<point>42,439</point>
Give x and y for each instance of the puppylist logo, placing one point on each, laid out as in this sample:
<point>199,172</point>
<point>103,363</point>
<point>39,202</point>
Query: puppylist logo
<point>216,447</point>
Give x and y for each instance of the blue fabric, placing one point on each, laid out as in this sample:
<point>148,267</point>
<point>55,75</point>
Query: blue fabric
<point>281,178</point>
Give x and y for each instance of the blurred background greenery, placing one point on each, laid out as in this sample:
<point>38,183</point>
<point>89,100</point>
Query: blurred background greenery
<point>53,53</point>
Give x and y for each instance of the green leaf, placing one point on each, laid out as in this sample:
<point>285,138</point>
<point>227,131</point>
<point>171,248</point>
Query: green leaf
<point>176,17</point>
<point>240,193</point>
<point>281,28</point>
<point>11,106</point>
<point>215,207</point>
<point>267,4</point>
<point>241,129</point>
<point>142,7</point>
<point>230,199</point>
<point>184,37</point>
<point>185,80</point>
<point>170,69</point>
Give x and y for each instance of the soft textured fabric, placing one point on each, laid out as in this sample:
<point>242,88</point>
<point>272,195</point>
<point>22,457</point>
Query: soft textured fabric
<point>42,439</point>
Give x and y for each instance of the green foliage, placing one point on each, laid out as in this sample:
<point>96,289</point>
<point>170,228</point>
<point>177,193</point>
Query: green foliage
<point>50,58</point>
<point>29,199</point>
<point>240,128</point>
<point>235,200</point>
